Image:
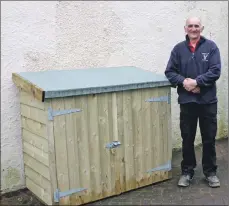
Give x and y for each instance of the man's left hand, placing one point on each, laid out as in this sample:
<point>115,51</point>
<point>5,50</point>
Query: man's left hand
<point>190,84</point>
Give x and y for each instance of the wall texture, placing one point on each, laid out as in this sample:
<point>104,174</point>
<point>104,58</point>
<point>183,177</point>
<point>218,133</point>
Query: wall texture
<point>69,35</point>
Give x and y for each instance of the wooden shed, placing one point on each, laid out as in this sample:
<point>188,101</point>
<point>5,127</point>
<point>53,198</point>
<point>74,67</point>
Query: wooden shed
<point>93,133</point>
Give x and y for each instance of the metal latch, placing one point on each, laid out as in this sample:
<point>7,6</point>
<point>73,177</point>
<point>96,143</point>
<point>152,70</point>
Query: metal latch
<point>53,113</point>
<point>113,144</point>
<point>158,99</point>
<point>58,194</point>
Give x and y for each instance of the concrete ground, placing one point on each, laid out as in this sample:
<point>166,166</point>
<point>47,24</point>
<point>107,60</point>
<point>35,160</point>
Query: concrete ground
<point>165,193</point>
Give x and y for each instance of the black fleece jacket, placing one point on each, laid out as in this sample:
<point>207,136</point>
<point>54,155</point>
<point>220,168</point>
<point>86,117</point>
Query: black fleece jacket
<point>204,65</point>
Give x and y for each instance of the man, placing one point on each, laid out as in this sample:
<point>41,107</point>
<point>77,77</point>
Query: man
<point>194,67</point>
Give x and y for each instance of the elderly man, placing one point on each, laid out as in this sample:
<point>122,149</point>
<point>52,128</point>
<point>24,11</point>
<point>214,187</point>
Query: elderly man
<point>194,67</point>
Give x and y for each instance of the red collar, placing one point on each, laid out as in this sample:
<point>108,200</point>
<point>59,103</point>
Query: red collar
<point>192,47</point>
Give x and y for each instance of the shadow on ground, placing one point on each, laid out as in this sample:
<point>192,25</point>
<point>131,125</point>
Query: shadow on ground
<point>164,193</point>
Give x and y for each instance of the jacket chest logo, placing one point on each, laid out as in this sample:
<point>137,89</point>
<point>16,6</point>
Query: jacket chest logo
<point>205,55</point>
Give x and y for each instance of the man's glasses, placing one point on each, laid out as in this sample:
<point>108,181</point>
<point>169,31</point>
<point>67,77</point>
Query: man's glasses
<point>193,25</point>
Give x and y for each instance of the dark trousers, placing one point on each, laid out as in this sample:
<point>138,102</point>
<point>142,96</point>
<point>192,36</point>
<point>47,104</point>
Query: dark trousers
<point>207,116</point>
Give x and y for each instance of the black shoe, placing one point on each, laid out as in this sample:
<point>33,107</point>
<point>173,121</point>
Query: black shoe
<point>185,180</point>
<point>213,181</point>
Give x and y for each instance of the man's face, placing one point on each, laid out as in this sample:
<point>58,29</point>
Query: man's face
<point>193,28</point>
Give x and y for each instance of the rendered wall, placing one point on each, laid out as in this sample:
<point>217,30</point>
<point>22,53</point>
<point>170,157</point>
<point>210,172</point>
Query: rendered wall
<point>67,35</point>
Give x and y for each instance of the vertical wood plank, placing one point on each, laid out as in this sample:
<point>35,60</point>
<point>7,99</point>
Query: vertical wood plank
<point>117,159</point>
<point>128,141</point>
<point>146,121</point>
<point>71,138</point>
<point>120,151</point>
<point>157,138</point>
<point>105,153</point>
<point>51,151</point>
<point>59,124</point>
<point>169,137</point>
<point>112,138</point>
<point>84,151</point>
<point>139,139</point>
<point>165,126</point>
<point>94,146</point>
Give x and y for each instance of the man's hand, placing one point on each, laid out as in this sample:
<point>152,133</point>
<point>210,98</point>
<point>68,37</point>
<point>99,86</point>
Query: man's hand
<point>196,90</point>
<point>189,84</point>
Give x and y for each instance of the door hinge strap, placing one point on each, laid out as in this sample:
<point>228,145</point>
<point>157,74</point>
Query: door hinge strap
<point>159,99</point>
<point>165,167</point>
<point>53,113</point>
<point>58,194</point>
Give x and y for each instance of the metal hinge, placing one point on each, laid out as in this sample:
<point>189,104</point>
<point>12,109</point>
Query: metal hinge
<point>159,99</point>
<point>53,113</point>
<point>58,194</point>
<point>113,144</point>
<point>165,167</point>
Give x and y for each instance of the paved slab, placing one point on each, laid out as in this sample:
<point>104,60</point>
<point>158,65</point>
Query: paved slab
<point>165,193</point>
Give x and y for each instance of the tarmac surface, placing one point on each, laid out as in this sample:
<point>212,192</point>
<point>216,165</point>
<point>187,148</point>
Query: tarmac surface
<point>164,193</point>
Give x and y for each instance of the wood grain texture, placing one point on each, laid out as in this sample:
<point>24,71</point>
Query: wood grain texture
<point>36,165</point>
<point>38,179</point>
<point>28,99</point>
<point>29,87</point>
<point>70,151</point>
<point>34,127</point>
<point>35,147</point>
<point>35,140</point>
<point>51,152</point>
<point>36,153</point>
<point>61,150</point>
<point>40,192</point>
<point>35,114</point>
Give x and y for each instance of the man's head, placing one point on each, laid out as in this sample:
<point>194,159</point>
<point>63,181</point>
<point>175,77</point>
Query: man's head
<point>193,28</point>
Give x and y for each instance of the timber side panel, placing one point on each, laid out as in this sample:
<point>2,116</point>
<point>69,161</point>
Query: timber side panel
<point>35,146</point>
<point>28,99</point>
<point>40,192</point>
<point>34,127</point>
<point>37,174</point>
<point>37,166</point>
<point>36,153</point>
<point>35,114</point>
<point>35,140</point>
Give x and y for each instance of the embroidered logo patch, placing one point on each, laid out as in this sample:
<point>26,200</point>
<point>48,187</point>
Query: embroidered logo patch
<point>205,55</point>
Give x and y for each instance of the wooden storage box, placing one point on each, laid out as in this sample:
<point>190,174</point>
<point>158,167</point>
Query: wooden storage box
<point>93,133</point>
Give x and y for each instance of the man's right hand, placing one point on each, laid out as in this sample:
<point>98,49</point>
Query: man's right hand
<point>196,90</point>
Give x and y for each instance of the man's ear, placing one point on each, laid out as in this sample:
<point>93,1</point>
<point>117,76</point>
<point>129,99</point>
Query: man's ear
<point>202,28</point>
<point>185,30</point>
